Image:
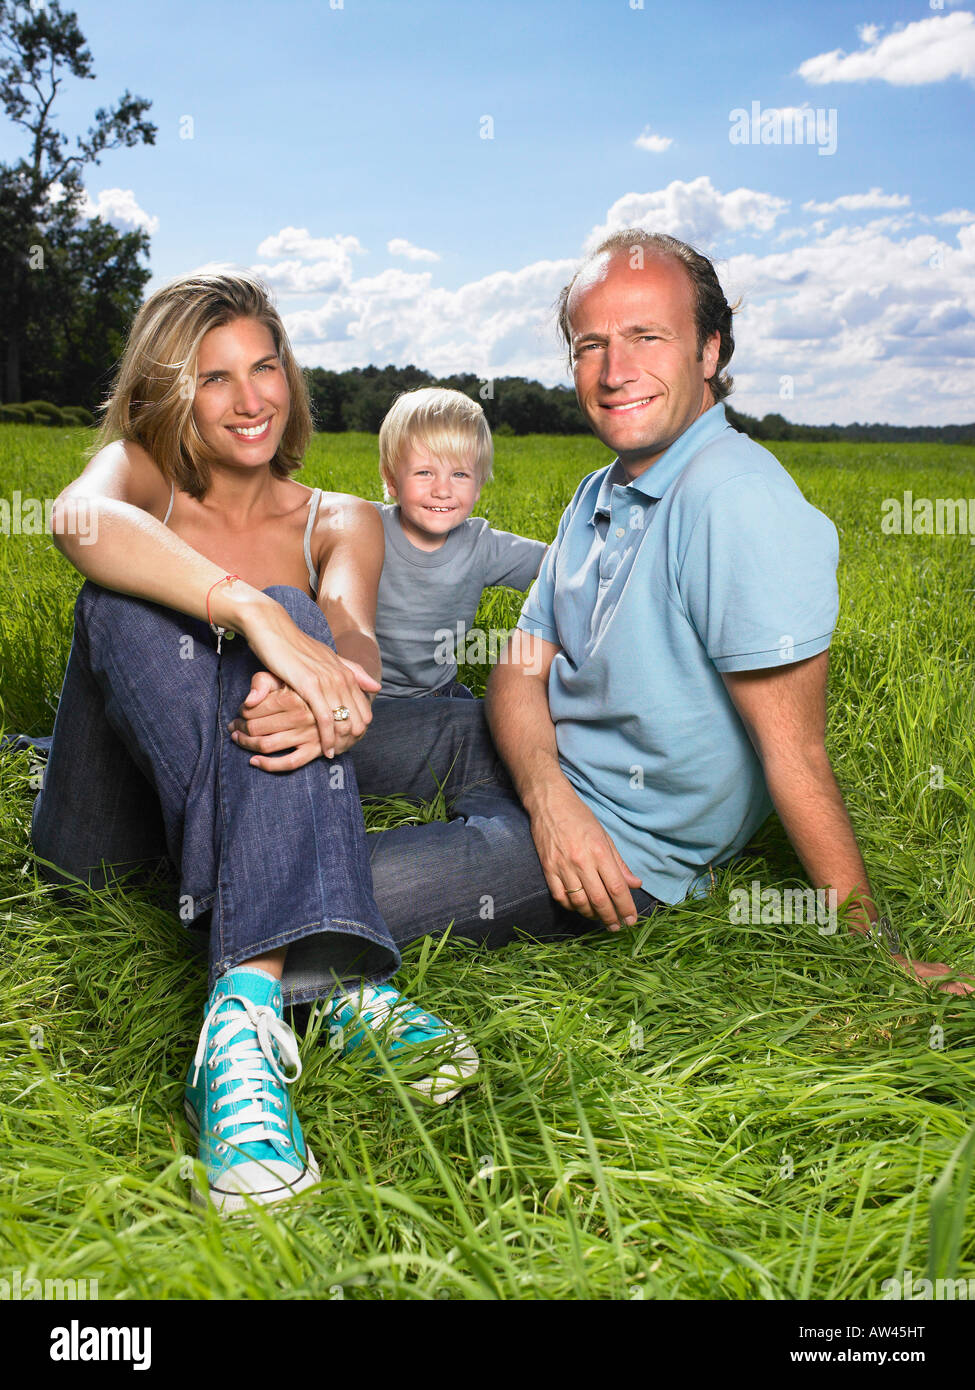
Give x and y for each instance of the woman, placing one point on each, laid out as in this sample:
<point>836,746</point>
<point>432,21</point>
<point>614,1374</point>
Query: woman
<point>196,534</point>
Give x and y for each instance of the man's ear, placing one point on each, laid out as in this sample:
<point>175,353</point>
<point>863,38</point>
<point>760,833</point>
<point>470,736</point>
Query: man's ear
<point>710,355</point>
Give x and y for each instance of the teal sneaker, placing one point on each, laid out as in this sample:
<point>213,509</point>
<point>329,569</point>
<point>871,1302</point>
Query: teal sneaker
<point>236,1096</point>
<point>431,1056</point>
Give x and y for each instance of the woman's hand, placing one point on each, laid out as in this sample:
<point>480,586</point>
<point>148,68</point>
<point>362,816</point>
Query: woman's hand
<point>324,681</point>
<point>274,718</point>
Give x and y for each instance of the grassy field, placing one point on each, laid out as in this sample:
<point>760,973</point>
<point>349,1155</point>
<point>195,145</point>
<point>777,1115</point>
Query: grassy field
<point>688,1109</point>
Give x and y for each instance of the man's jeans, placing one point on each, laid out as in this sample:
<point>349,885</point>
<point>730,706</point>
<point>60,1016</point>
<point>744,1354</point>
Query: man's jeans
<point>142,768</point>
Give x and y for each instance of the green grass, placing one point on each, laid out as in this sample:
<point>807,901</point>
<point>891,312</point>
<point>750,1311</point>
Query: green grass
<point>689,1109</point>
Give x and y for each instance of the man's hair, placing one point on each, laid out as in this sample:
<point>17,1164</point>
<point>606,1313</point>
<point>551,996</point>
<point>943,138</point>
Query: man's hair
<point>151,402</point>
<point>712,312</point>
<point>447,424</point>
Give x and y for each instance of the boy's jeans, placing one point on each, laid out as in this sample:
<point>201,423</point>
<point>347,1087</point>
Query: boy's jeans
<point>142,767</point>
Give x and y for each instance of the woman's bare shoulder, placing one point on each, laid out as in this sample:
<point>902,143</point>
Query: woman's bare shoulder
<point>348,524</point>
<point>123,470</point>
<point>348,508</point>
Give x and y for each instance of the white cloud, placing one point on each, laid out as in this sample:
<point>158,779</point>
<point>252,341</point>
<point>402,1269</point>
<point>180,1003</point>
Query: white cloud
<point>956,215</point>
<point>929,50</point>
<point>655,144</point>
<point>501,324</point>
<point>297,242</point>
<point>398,246</point>
<point>117,206</point>
<point>854,202</point>
<point>869,33</point>
<point>296,277</point>
<point>694,211</point>
<point>869,327</point>
<point>315,263</point>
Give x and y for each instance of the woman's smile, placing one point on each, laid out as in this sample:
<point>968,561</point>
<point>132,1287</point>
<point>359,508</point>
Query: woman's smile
<point>251,432</point>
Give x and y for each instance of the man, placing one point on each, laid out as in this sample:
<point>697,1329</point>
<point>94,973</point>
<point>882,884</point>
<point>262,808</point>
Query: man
<point>680,626</point>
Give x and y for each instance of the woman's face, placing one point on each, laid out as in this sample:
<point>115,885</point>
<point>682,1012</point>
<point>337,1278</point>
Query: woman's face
<point>242,400</point>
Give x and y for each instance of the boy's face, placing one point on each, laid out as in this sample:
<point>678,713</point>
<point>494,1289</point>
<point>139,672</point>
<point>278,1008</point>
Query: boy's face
<point>434,495</point>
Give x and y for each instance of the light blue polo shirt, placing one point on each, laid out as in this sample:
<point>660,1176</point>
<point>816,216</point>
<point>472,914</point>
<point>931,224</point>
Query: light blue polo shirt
<point>711,561</point>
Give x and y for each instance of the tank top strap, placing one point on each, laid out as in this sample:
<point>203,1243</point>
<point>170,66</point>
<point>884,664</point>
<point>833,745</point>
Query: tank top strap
<point>172,499</point>
<point>313,503</point>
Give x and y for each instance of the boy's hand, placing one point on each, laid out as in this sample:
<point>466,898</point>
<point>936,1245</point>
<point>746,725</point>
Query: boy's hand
<point>275,718</point>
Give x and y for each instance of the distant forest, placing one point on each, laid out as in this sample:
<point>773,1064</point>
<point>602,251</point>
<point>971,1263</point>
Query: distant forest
<point>358,399</point>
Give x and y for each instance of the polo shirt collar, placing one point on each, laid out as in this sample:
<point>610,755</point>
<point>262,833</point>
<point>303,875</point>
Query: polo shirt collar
<point>654,481</point>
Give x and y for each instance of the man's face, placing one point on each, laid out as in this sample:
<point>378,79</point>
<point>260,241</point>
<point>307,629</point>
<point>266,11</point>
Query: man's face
<point>634,353</point>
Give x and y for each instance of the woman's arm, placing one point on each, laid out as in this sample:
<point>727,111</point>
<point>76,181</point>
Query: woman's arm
<point>350,563</point>
<point>123,545</point>
<point>107,524</point>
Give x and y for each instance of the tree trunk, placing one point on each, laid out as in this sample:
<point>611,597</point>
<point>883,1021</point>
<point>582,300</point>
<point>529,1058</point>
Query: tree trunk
<point>11,389</point>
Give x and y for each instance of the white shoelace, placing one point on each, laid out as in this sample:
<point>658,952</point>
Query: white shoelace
<point>249,1057</point>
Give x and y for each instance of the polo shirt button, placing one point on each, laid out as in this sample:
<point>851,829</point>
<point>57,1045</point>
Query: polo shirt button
<point>620,531</point>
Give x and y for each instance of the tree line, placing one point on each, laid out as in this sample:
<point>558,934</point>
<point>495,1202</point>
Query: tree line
<point>358,399</point>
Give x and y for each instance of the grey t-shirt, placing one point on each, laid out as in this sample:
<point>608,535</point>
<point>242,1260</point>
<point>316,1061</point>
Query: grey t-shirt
<point>425,594</point>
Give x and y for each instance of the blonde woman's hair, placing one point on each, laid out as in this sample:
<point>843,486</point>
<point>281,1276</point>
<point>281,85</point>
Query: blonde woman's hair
<point>447,424</point>
<point>151,402</point>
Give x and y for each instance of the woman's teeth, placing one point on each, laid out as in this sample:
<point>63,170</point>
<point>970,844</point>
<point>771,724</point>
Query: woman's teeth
<point>249,432</point>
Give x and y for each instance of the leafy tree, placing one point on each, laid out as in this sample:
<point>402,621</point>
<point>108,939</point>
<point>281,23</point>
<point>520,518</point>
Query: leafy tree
<point>68,289</point>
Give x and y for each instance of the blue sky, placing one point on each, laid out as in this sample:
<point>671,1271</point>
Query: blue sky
<point>340,150</point>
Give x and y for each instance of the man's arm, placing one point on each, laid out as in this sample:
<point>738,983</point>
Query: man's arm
<point>582,866</point>
<point>783,709</point>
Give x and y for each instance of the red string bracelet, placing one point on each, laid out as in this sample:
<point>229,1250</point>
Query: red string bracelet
<point>221,632</point>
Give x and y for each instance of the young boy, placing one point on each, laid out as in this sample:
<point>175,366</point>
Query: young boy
<point>435,455</point>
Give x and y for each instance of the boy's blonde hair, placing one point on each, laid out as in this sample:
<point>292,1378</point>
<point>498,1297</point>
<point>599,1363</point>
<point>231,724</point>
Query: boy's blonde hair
<point>448,424</point>
<point>152,399</point>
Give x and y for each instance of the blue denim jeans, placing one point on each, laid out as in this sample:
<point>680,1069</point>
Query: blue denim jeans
<point>142,768</point>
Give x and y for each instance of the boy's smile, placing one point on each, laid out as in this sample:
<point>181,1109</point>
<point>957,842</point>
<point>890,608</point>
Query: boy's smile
<point>435,495</point>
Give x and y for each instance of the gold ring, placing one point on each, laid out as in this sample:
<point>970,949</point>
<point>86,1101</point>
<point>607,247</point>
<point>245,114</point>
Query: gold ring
<point>580,889</point>
<point>340,714</point>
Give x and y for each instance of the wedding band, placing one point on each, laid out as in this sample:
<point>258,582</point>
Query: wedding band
<point>580,889</point>
<point>340,714</point>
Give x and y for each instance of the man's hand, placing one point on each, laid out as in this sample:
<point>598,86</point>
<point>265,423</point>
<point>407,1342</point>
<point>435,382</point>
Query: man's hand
<point>582,866</point>
<point>278,726</point>
<point>927,971</point>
